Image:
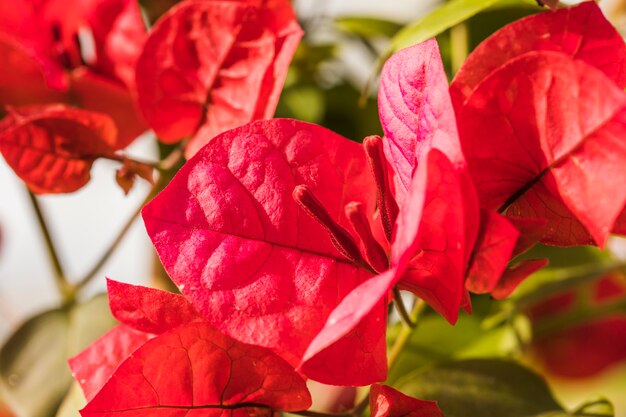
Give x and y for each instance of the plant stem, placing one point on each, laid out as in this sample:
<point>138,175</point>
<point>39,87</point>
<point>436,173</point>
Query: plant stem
<point>459,43</point>
<point>399,304</point>
<point>86,279</point>
<point>405,333</point>
<point>167,168</point>
<point>65,288</point>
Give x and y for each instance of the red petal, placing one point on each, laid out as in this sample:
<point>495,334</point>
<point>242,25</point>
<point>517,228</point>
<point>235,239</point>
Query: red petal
<point>95,365</point>
<point>103,95</point>
<point>555,137</point>
<point>431,232</point>
<point>415,111</point>
<point>147,309</point>
<point>194,367</point>
<point>584,350</point>
<point>238,246</point>
<point>119,34</point>
<point>492,252</point>
<point>53,147</point>
<point>581,32</point>
<point>514,276</point>
<point>351,349</point>
<point>531,232</point>
<point>209,66</point>
<point>22,80</point>
<point>388,402</point>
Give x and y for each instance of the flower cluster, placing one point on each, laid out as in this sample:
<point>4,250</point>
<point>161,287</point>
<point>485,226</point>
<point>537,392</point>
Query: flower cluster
<point>287,240</point>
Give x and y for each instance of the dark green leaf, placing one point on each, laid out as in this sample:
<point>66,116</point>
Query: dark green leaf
<point>485,388</point>
<point>34,376</point>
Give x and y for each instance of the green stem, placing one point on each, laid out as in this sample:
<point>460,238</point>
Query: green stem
<point>399,304</point>
<point>405,333</point>
<point>460,48</point>
<point>65,288</point>
<point>86,279</point>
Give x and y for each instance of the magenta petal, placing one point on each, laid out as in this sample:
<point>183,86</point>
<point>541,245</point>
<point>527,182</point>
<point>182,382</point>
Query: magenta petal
<point>415,111</point>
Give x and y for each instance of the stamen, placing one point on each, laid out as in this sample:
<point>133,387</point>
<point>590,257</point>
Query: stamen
<point>341,239</point>
<point>374,253</point>
<point>68,55</point>
<point>386,203</point>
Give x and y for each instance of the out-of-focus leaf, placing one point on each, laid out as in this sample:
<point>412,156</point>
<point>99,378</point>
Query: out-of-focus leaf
<point>34,376</point>
<point>435,341</point>
<point>481,387</point>
<point>368,27</point>
<point>73,401</point>
<point>304,102</point>
<point>562,262</point>
<point>435,22</point>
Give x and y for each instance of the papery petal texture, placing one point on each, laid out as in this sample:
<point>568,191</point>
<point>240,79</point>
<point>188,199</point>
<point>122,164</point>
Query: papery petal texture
<point>193,370</point>
<point>351,348</point>
<point>431,235</point>
<point>555,135</point>
<point>249,259</point>
<point>147,309</point>
<point>581,32</point>
<point>209,66</point>
<point>93,367</point>
<point>493,249</point>
<point>415,111</point>
<point>52,148</point>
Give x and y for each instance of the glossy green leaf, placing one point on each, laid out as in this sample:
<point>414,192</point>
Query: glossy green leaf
<point>483,387</point>
<point>368,27</point>
<point>34,376</point>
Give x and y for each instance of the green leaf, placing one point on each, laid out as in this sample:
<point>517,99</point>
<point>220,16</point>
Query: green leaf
<point>73,401</point>
<point>34,376</point>
<point>483,387</point>
<point>568,268</point>
<point>437,21</point>
<point>368,27</point>
<point>443,18</point>
<point>435,341</point>
<point>304,102</point>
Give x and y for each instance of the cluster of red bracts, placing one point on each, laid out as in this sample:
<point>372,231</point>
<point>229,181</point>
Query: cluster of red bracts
<point>286,239</point>
<point>81,80</point>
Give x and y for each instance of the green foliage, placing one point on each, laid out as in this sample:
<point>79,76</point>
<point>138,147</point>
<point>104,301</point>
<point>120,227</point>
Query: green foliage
<point>34,376</point>
<point>443,18</point>
<point>483,387</point>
